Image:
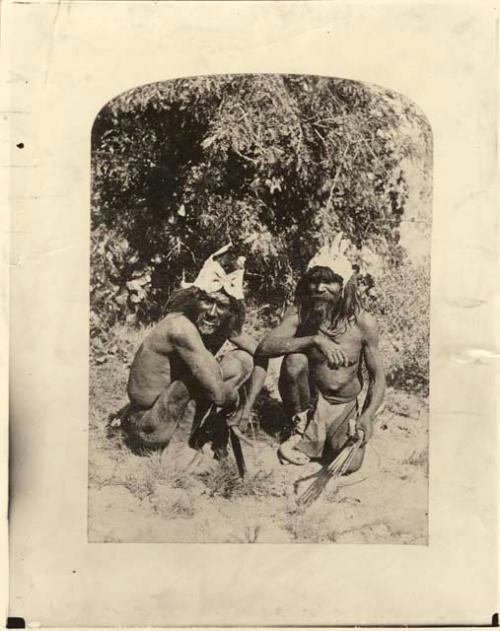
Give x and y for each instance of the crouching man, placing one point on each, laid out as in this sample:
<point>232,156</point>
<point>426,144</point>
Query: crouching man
<point>176,363</point>
<point>325,338</point>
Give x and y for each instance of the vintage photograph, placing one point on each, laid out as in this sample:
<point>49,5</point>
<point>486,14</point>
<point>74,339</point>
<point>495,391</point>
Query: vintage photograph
<point>259,313</point>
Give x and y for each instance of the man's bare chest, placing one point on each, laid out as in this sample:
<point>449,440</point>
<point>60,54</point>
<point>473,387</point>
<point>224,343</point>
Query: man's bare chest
<point>350,341</point>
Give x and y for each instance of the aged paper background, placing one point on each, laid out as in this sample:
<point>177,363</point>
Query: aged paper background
<point>4,334</point>
<point>67,60</point>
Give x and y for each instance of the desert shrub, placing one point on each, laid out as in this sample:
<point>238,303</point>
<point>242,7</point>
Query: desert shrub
<point>272,162</point>
<point>402,307</point>
<point>120,284</point>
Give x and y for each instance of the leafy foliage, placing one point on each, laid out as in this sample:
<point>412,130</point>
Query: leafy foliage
<point>402,306</point>
<point>181,167</point>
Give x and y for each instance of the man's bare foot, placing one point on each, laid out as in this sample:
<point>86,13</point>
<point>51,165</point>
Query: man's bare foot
<point>288,451</point>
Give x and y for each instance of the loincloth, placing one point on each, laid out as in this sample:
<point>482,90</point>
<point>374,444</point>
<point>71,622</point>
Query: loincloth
<point>328,423</point>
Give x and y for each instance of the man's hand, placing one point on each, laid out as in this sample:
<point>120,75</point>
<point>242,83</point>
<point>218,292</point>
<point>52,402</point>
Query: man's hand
<point>365,424</point>
<point>240,418</point>
<point>238,421</point>
<point>332,351</point>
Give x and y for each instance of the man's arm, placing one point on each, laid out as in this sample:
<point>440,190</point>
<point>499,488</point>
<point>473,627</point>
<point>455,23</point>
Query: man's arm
<point>244,342</point>
<point>282,341</point>
<point>251,391</point>
<point>376,374</point>
<point>204,368</point>
<point>252,388</point>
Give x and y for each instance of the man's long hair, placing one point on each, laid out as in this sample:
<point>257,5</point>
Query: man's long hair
<point>186,301</point>
<point>343,313</point>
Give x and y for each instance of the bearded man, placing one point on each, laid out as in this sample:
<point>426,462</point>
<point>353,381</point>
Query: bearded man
<point>325,338</point>
<point>176,363</point>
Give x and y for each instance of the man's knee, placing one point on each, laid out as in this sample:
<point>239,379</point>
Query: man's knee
<point>153,428</point>
<point>143,437</point>
<point>238,365</point>
<point>246,361</point>
<point>177,393</point>
<point>295,365</point>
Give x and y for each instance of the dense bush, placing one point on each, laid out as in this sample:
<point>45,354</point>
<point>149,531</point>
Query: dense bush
<point>402,309</point>
<point>179,168</point>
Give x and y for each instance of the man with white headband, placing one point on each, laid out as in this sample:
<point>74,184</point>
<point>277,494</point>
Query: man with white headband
<point>325,338</point>
<point>176,363</point>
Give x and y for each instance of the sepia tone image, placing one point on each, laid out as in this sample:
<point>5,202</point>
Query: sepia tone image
<point>259,313</point>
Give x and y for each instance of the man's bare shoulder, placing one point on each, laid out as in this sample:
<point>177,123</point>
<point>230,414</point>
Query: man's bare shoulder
<point>174,326</point>
<point>178,326</point>
<point>367,324</point>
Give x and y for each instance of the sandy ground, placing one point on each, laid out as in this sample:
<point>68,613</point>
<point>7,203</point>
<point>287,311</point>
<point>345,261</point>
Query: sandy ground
<point>172,499</point>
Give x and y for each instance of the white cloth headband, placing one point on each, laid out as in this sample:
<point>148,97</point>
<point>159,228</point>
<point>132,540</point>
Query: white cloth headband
<point>333,257</point>
<point>212,276</point>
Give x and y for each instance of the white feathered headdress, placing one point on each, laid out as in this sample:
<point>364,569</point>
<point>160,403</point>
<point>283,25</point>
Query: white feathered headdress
<point>212,276</point>
<point>332,255</point>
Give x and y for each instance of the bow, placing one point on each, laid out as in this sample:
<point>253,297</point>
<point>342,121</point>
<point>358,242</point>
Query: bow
<point>212,276</point>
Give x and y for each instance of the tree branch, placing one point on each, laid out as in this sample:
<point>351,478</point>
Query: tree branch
<point>335,178</point>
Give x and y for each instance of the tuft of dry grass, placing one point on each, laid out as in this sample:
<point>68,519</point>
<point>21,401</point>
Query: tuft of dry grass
<point>172,503</point>
<point>305,525</point>
<point>417,458</point>
<point>224,481</point>
<point>142,487</point>
<point>249,534</point>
